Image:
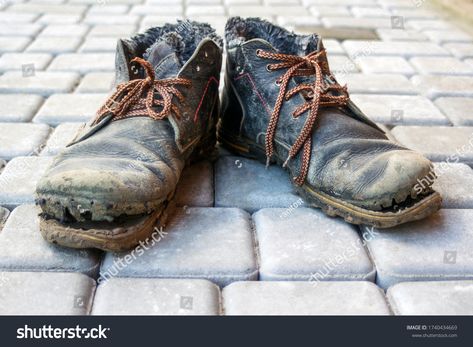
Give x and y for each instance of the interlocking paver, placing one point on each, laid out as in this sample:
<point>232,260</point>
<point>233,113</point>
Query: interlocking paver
<point>368,12</point>
<point>83,63</point>
<point>333,11</point>
<point>247,184</point>
<point>47,8</point>
<point>99,45</point>
<point>33,253</point>
<point>401,35</point>
<point>430,24</point>
<point>444,36</point>
<point>41,82</point>
<point>10,17</point>
<point>393,48</point>
<point>60,108</point>
<point>196,186</point>
<point>45,293</point>
<point>14,111</point>
<point>400,109</point>
<point>460,50</point>
<point>458,110</point>
<point>437,86</point>
<point>194,236</point>
<point>59,19</point>
<point>21,139</point>
<point>18,180</point>
<point>433,249</point>
<point>384,65</point>
<point>60,138</point>
<point>432,298</point>
<point>107,19</point>
<point>342,64</point>
<point>304,298</point>
<point>96,82</point>
<point>12,29</point>
<point>441,66</point>
<point>305,244</point>
<point>454,182</point>
<point>17,61</point>
<point>61,30</point>
<point>146,296</point>
<point>13,44</point>
<point>298,21</point>
<point>377,84</point>
<point>54,45</point>
<point>109,8</point>
<point>116,30</point>
<point>438,143</point>
<point>4,213</point>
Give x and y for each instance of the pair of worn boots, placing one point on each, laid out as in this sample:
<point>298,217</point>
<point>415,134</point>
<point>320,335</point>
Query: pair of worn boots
<point>281,105</point>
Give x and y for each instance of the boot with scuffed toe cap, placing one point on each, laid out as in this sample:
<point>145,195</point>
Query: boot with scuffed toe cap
<point>282,105</point>
<point>113,184</point>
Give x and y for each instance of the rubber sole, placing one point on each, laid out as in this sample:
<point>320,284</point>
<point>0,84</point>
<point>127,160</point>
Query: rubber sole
<point>335,207</point>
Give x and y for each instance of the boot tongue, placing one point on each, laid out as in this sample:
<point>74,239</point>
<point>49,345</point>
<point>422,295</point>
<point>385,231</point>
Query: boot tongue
<point>164,55</point>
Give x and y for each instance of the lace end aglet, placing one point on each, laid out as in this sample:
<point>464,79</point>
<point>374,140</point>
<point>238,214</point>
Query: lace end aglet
<point>268,162</point>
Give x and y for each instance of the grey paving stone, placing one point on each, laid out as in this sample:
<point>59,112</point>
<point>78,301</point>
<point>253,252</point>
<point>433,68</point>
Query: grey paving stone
<point>196,186</point>
<point>333,47</point>
<point>207,243</point>
<point>438,143</point>
<point>144,296</point>
<point>441,66</point>
<point>342,64</point>
<point>18,180</point>
<point>166,9</point>
<point>428,24</point>
<point>109,19</point>
<point>434,249</point>
<point>47,8</point>
<point>54,45</point>
<point>62,30</point>
<point>450,298</point>
<point>437,86</point>
<point>393,48</point>
<point>96,82</point>
<point>400,109</point>
<point>256,10</point>
<point>99,45</point>
<point>458,110</point>
<point>21,139</point>
<point>33,253</point>
<point>199,10</point>
<point>17,61</point>
<point>454,182</point>
<point>385,65</point>
<point>13,44</point>
<point>42,83</point>
<point>460,50</point>
<point>15,29</point>
<point>377,84</point>
<point>302,244</point>
<point>304,298</point>
<point>60,108</point>
<point>370,12</point>
<point>296,21</point>
<point>415,13</point>
<point>115,30</point>
<point>330,11</point>
<point>247,184</point>
<point>59,19</point>
<point>44,293</point>
<point>60,138</point>
<point>14,111</point>
<point>401,35</point>
<point>84,63</point>
<point>108,8</point>
<point>11,17</point>
<point>444,36</point>
<point>351,22</point>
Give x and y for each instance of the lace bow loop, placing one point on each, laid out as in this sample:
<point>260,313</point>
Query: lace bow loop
<point>138,97</point>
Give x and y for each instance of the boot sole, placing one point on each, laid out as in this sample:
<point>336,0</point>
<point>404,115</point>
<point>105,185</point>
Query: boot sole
<point>122,235</point>
<point>336,207</point>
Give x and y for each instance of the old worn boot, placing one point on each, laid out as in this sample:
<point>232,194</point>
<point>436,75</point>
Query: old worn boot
<point>281,104</point>
<point>112,184</point>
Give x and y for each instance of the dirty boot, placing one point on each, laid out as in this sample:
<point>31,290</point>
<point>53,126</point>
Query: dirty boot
<point>111,186</point>
<point>281,104</point>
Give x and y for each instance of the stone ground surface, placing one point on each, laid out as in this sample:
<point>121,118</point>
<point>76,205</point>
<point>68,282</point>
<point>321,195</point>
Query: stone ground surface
<point>242,241</point>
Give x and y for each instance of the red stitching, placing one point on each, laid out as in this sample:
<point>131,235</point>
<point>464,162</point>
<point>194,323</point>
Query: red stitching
<point>203,96</point>
<point>255,90</point>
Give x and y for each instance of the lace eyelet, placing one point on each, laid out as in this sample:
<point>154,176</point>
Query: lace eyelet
<point>278,82</point>
<point>268,69</point>
<point>258,52</point>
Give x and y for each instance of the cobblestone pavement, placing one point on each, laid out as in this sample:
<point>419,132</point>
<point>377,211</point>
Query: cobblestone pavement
<point>242,242</point>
